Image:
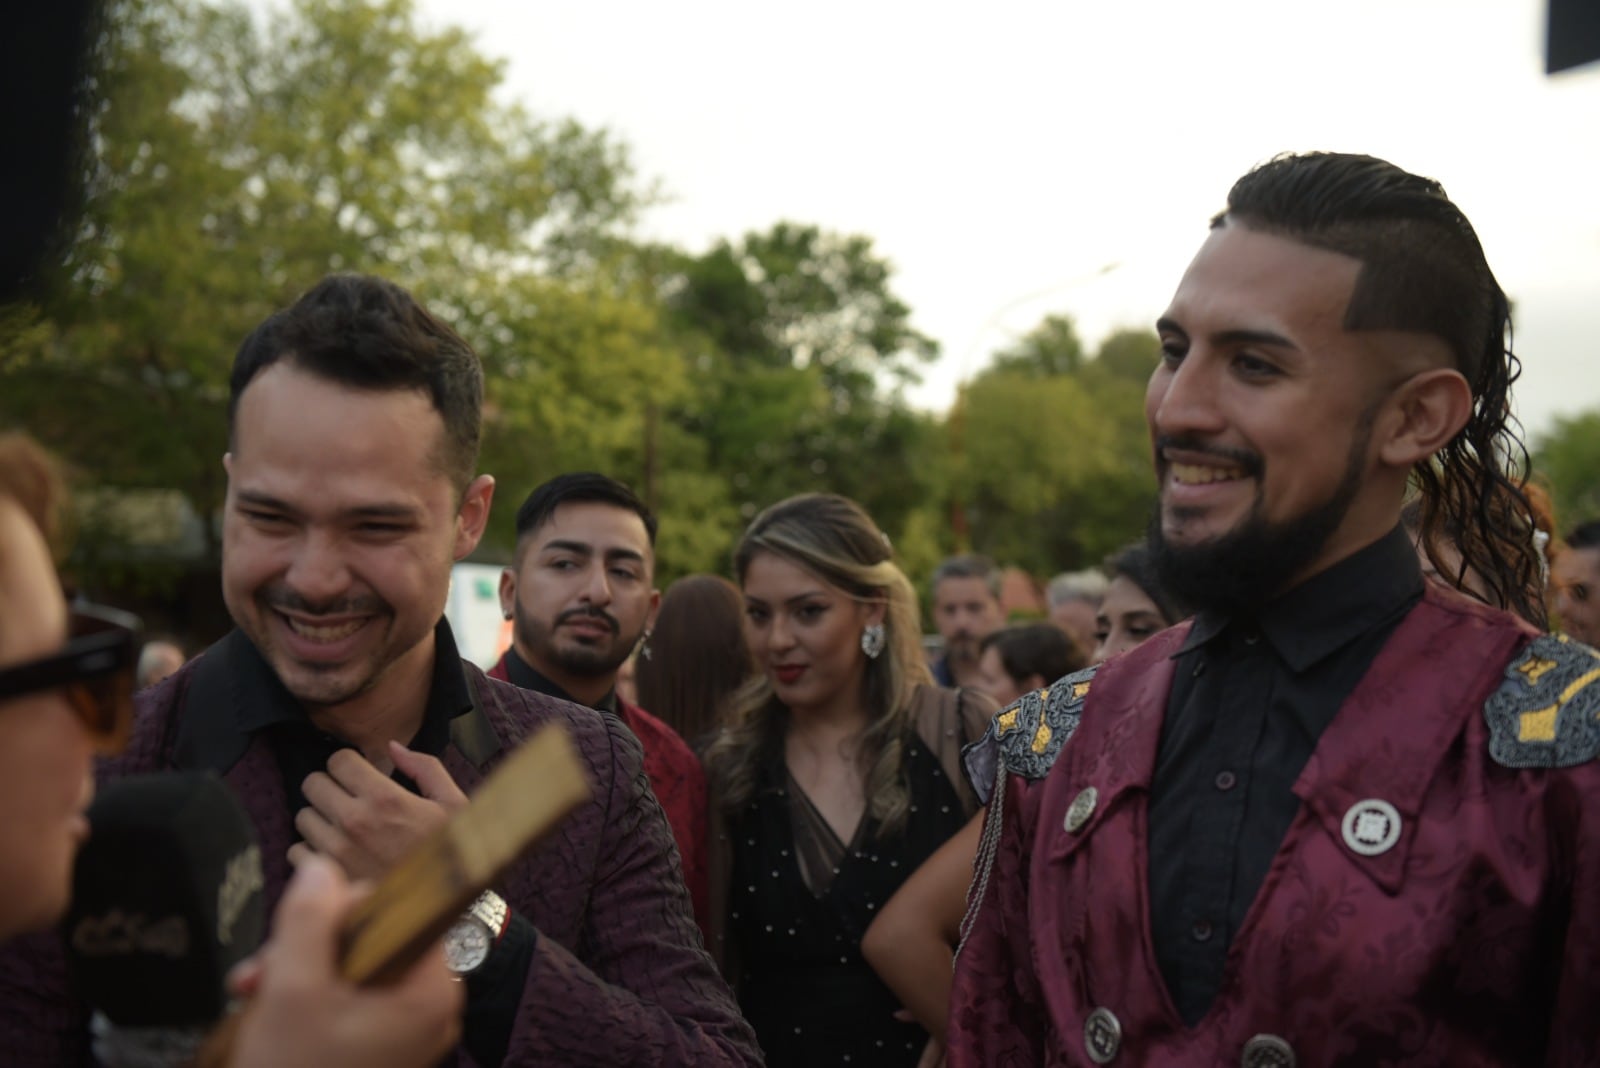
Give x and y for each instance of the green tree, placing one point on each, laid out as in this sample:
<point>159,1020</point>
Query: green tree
<point>1051,468</point>
<point>1051,348</point>
<point>239,156</point>
<point>798,348</point>
<point>1568,455</point>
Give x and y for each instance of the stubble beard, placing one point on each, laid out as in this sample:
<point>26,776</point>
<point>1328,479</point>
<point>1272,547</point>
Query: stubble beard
<point>575,659</point>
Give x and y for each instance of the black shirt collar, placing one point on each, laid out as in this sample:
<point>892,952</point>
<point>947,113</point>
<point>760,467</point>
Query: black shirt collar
<point>521,673</point>
<point>1332,608</point>
<point>260,701</point>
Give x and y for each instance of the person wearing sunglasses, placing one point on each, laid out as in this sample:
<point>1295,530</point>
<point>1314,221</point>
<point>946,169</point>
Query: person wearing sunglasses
<point>66,693</point>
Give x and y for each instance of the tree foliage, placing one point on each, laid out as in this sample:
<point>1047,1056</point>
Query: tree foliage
<point>1568,457</point>
<point>1051,468</point>
<point>239,153</point>
<point>238,157</point>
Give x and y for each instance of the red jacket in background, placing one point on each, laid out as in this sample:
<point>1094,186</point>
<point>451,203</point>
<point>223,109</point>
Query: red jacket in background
<point>679,783</point>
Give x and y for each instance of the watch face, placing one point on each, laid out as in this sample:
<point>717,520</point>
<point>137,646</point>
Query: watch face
<point>466,945</point>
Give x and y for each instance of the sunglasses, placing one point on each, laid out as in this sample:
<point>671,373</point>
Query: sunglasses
<point>95,669</point>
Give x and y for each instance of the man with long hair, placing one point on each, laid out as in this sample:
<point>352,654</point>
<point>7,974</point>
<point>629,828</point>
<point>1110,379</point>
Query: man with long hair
<point>1339,817</point>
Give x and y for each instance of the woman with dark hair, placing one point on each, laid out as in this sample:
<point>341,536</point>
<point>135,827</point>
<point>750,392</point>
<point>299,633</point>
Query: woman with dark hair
<point>837,774</point>
<point>1135,607</point>
<point>696,657</point>
<point>1023,657</point>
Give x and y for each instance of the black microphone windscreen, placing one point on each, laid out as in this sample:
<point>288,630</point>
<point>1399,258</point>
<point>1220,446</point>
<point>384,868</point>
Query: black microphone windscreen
<point>167,897</point>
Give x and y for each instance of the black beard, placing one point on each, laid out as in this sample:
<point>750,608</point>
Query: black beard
<point>1238,572</point>
<point>582,662</point>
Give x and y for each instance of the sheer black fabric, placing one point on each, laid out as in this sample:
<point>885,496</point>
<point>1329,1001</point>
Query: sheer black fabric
<point>805,988</point>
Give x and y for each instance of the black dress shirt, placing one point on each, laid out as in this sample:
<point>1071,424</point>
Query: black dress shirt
<point>521,673</point>
<point>1250,698</point>
<point>260,704</point>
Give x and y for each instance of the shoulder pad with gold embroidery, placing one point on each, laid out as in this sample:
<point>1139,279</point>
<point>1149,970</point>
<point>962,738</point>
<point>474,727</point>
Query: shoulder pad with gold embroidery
<point>1544,715</point>
<point>1028,734</point>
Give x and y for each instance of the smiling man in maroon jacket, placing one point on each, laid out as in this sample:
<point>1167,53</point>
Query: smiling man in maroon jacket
<point>342,716</point>
<point>1345,817</point>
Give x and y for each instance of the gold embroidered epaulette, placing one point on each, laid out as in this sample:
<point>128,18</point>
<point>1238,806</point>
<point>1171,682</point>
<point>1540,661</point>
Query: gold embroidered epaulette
<point>1032,730</point>
<point>1546,713</point>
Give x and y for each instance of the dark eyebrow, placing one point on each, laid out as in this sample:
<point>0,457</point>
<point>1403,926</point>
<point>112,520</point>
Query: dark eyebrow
<point>796,599</point>
<point>562,546</point>
<point>584,549</point>
<point>257,499</point>
<point>263,500</point>
<point>383,511</point>
<point>1233,337</point>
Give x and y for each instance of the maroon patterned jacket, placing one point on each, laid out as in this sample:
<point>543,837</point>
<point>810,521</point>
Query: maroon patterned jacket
<point>679,783</point>
<point>1460,928</point>
<point>619,975</point>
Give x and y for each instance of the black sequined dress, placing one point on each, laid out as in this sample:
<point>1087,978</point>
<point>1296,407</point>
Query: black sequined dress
<point>800,900</point>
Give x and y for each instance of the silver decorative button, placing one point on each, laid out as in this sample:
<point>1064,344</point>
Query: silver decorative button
<point>1371,827</point>
<point>1267,1051</point>
<point>1080,810</point>
<point>1102,1035</point>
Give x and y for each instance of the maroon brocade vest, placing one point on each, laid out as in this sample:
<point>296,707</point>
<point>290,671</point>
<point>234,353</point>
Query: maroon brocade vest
<point>1428,905</point>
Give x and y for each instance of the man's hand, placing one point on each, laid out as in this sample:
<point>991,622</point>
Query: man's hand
<point>302,1013</point>
<point>365,820</point>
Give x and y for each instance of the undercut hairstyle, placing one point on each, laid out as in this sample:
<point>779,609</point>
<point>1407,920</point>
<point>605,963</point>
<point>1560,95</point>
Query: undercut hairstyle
<point>1585,535</point>
<point>1423,270</point>
<point>366,333</point>
<point>698,660</point>
<point>579,487</point>
<point>1136,564</point>
<point>969,565</point>
<point>834,539</point>
<point>1029,649</point>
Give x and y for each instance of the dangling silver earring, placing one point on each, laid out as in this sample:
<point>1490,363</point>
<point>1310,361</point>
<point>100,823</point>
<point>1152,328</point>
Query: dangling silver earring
<point>644,646</point>
<point>872,641</point>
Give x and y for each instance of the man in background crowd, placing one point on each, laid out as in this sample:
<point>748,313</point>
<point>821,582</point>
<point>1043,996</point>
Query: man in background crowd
<point>966,610</point>
<point>1074,598</point>
<point>1575,583</point>
<point>1023,657</point>
<point>581,596</point>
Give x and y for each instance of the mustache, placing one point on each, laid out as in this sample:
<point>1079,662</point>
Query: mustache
<point>1249,462</point>
<point>588,612</point>
<point>282,598</point>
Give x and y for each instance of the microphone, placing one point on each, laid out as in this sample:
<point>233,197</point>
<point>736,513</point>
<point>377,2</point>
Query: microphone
<point>167,897</point>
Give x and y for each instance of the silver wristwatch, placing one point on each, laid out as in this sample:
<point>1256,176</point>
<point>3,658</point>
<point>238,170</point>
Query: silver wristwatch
<point>470,939</point>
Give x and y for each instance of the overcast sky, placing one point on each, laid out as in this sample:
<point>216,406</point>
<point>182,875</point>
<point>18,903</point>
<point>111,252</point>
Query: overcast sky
<point>1016,159</point>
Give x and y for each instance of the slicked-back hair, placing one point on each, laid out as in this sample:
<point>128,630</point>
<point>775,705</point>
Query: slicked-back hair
<point>366,333</point>
<point>1423,270</point>
<point>579,487</point>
